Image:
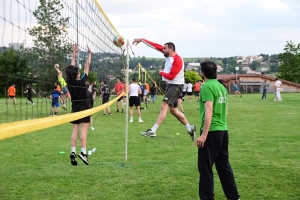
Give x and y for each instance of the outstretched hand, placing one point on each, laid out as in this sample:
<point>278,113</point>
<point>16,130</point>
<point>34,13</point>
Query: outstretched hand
<point>75,48</point>
<point>89,50</point>
<point>136,41</point>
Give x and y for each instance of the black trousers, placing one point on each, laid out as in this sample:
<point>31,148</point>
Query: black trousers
<point>215,151</point>
<point>29,99</point>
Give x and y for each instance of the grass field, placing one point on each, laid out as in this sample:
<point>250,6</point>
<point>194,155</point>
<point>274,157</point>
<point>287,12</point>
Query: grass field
<point>264,154</point>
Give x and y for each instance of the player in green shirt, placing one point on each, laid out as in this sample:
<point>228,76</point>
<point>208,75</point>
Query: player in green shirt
<point>63,84</point>
<point>213,141</point>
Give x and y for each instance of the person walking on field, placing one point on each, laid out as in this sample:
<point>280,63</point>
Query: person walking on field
<point>278,88</point>
<point>29,91</point>
<point>12,93</point>
<point>153,92</point>
<point>213,141</point>
<point>134,99</point>
<point>189,91</point>
<point>264,86</point>
<point>119,88</point>
<point>173,75</point>
<point>105,97</point>
<point>236,89</point>
<point>78,91</point>
<point>197,90</point>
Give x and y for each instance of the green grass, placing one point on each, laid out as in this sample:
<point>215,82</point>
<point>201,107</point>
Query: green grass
<point>264,154</point>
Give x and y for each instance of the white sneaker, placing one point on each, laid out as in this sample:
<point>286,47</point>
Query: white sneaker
<point>131,120</point>
<point>32,104</point>
<point>149,133</point>
<point>92,128</point>
<point>140,120</point>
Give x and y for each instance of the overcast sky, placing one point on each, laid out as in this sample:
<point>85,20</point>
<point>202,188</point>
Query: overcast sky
<point>205,28</point>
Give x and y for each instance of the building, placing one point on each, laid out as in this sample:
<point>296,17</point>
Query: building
<point>15,46</point>
<point>252,83</point>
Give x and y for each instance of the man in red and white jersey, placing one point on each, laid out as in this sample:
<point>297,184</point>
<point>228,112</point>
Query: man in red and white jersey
<point>173,75</point>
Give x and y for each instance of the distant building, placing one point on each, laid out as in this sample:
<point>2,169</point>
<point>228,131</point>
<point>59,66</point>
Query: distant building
<point>192,66</point>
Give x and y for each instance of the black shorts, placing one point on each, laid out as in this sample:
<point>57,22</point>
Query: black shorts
<point>105,99</point>
<point>183,93</point>
<point>82,120</point>
<point>134,100</point>
<point>172,94</point>
<point>15,96</point>
<point>189,93</point>
<point>121,98</point>
<point>196,93</point>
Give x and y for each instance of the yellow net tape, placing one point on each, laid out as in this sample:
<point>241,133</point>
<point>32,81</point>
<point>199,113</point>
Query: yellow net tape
<point>104,14</point>
<point>13,129</point>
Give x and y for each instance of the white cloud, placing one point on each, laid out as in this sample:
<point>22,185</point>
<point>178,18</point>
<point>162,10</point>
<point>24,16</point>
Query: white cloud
<point>273,5</point>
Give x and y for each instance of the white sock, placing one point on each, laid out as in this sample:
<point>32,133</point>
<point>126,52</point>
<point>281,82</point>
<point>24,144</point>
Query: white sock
<point>83,150</point>
<point>140,118</point>
<point>188,127</point>
<point>131,118</point>
<point>154,128</point>
<point>73,149</point>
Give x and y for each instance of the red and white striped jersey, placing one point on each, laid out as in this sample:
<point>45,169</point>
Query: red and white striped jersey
<point>173,72</point>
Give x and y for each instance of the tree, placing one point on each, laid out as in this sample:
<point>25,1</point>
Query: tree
<point>51,45</point>
<point>255,64</point>
<point>13,69</point>
<point>191,76</point>
<point>289,63</point>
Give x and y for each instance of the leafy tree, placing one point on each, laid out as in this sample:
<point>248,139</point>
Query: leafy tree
<point>255,64</point>
<point>13,69</point>
<point>289,60</point>
<point>51,45</point>
<point>191,76</point>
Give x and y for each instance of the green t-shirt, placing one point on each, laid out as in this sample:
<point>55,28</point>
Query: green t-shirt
<point>62,82</point>
<point>213,91</point>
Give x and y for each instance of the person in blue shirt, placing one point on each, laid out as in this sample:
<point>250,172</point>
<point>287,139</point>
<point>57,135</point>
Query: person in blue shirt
<point>236,89</point>
<point>55,96</point>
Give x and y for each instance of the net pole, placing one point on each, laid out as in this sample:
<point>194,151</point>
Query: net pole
<point>127,97</point>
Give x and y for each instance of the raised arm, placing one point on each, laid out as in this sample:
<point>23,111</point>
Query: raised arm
<point>88,61</point>
<point>153,45</point>
<point>75,50</point>
<point>59,73</point>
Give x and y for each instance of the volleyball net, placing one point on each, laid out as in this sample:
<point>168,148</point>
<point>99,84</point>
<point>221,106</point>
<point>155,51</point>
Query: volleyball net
<point>37,34</point>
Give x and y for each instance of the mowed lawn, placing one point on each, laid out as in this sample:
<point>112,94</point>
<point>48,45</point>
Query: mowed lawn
<point>264,154</point>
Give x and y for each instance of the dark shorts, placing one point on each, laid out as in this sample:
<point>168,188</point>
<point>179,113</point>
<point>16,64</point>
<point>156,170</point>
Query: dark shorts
<point>55,104</point>
<point>105,99</point>
<point>189,93</point>
<point>15,96</point>
<point>183,93</point>
<point>172,94</point>
<point>121,98</point>
<point>134,100</point>
<point>196,93</point>
<point>82,120</point>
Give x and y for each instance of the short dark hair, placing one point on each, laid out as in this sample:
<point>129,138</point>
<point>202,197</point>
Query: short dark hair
<point>105,82</point>
<point>133,79</point>
<point>119,79</point>
<point>55,87</point>
<point>209,69</point>
<point>171,45</point>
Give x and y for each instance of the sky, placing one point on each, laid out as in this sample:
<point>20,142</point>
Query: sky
<point>207,28</point>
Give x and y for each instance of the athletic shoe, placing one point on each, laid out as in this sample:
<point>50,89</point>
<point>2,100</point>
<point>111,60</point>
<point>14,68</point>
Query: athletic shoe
<point>109,114</point>
<point>64,107</point>
<point>73,158</point>
<point>104,114</point>
<point>84,158</point>
<point>117,110</point>
<point>131,120</point>
<point>193,132</point>
<point>140,120</point>
<point>149,133</point>
<point>92,128</point>
<point>32,104</point>
<point>122,111</point>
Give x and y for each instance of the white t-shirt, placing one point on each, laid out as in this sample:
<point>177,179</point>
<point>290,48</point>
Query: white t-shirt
<point>278,84</point>
<point>189,87</point>
<point>134,90</point>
